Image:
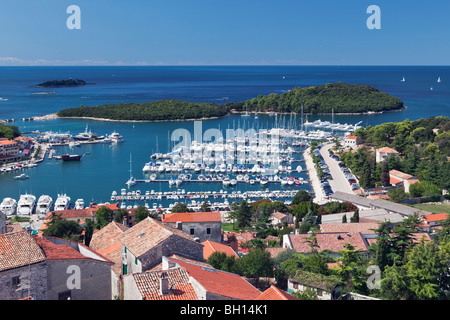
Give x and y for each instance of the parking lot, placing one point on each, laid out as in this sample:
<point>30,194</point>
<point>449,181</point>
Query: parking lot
<point>342,179</point>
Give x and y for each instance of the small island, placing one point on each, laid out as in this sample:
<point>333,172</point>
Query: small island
<point>339,98</point>
<point>162,110</point>
<point>62,83</point>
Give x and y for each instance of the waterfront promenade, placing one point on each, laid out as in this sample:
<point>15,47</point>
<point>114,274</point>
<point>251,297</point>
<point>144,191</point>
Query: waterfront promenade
<point>319,196</point>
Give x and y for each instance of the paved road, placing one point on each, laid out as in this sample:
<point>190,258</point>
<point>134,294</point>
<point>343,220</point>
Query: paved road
<point>339,182</point>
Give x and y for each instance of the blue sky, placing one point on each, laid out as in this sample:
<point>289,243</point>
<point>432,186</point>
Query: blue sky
<point>224,32</point>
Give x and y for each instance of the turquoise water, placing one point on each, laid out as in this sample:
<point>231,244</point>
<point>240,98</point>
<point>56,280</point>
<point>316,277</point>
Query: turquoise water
<point>106,167</point>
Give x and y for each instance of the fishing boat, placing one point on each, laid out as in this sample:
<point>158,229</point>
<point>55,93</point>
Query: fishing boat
<point>44,204</point>
<point>8,206</point>
<point>26,204</point>
<point>62,202</point>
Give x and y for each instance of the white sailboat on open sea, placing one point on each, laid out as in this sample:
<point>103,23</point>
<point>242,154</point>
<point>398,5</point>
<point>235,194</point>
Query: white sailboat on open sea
<point>439,80</point>
<point>403,79</point>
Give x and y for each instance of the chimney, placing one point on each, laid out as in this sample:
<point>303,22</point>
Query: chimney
<point>164,283</point>
<point>179,225</point>
<point>124,221</point>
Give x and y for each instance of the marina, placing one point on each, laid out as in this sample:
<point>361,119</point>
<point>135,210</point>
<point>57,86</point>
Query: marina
<point>240,162</point>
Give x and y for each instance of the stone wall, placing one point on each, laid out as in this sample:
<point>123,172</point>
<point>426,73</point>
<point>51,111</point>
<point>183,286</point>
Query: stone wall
<point>14,283</point>
<point>94,279</point>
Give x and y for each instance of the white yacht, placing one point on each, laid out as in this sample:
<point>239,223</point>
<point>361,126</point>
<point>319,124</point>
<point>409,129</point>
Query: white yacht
<point>115,137</point>
<point>26,204</point>
<point>62,202</point>
<point>8,206</point>
<point>44,204</point>
<point>79,204</point>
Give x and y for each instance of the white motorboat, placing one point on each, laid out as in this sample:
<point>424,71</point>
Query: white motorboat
<point>79,204</point>
<point>44,204</point>
<point>116,137</point>
<point>26,204</point>
<point>148,167</point>
<point>22,176</point>
<point>8,206</point>
<point>62,202</point>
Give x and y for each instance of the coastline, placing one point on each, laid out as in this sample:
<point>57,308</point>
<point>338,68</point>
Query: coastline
<point>55,116</point>
<point>404,108</point>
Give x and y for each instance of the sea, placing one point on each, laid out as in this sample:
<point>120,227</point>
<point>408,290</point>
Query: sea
<point>106,168</point>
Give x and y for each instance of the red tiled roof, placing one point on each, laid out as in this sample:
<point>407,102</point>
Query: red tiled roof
<point>274,251</point>
<point>273,293</point>
<point>394,181</point>
<point>211,246</point>
<point>7,142</point>
<point>180,288</point>
<point>58,252</point>
<point>112,206</point>
<point>219,282</point>
<point>363,227</point>
<point>18,249</point>
<point>351,137</point>
<point>70,214</point>
<point>328,241</point>
<point>387,150</point>
<point>192,217</point>
<point>436,217</point>
<point>147,234</point>
<point>400,174</point>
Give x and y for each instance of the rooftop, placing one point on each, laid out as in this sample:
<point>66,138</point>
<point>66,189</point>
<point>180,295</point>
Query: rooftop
<point>209,247</point>
<point>387,150</point>
<point>180,288</point>
<point>147,234</point>
<point>219,282</point>
<point>333,241</point>
<point>192,217</point>
<point>436,217</point>
<point>350,227</point>
<point>274,293</point>
<point>18,249</point>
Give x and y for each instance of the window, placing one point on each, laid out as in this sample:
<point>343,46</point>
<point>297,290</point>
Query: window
<point>208,230</point>
<point>191,231</point>
<point>135,261</point>
<point>15,281</point>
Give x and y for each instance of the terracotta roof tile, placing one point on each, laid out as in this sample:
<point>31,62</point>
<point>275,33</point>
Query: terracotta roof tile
<point>18,249</point>
<point>387,150</point>
<point>436,217</point>
<point>210,246</point>
<point>350,227</point>
<point>273,293</point>
<point>334,241</point>
<point>192,217</point>
<point>58,252</point>
<point>180,288</point>
<point>219,282</point>
<point>147,234</point>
